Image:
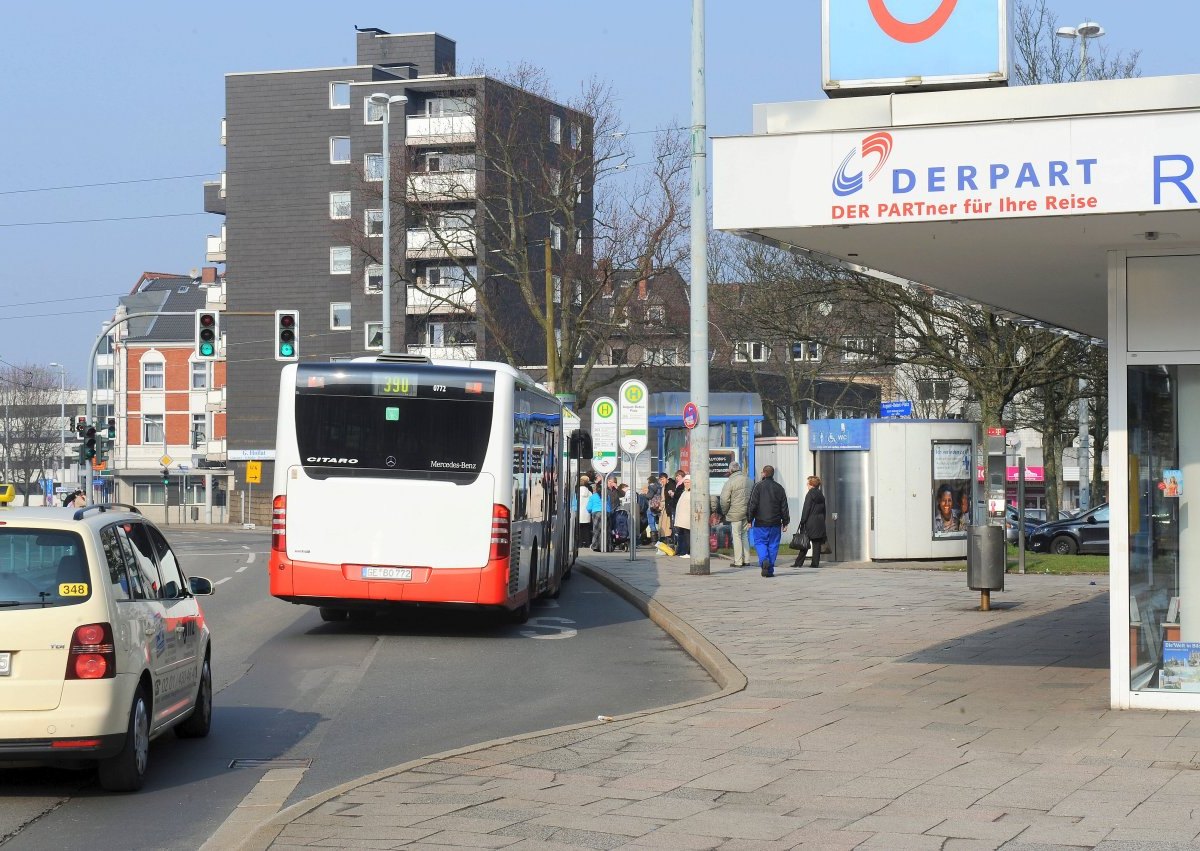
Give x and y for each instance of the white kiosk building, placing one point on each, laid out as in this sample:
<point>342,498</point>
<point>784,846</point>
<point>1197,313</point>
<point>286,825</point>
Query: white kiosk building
<point>1074,204</point>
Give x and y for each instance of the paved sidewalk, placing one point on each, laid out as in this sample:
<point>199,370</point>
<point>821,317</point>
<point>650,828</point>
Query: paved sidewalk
<point>882,711</point>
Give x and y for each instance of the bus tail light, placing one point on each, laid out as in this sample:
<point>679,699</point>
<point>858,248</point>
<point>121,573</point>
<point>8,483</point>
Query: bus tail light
<point>500,532</point>
<point>92,655</point>
<point>279,524</point>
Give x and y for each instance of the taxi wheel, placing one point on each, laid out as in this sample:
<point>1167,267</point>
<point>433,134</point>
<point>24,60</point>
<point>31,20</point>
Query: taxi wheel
<point>126,772</point>
<point>196,725</point>
<point>333,615</point>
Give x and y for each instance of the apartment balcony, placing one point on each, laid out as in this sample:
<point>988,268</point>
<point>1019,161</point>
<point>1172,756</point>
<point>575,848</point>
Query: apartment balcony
<point>440,300</point>
<point>214,197</point>
<point>440,129</point>
<point>441,186</point>
<point>215,252</point>
<point>465,352</point>
<point>440,242</point>
<point>215,402</point>
<point>224,127</point>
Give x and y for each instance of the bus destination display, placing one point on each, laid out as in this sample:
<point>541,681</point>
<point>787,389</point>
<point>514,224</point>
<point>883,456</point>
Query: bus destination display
<point>395,384</point>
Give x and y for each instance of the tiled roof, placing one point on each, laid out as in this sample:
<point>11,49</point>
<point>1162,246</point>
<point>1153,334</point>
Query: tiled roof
<point>165,295</point>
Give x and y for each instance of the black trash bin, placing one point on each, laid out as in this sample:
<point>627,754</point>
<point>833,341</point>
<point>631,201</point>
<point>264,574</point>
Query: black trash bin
<point>985,558</point>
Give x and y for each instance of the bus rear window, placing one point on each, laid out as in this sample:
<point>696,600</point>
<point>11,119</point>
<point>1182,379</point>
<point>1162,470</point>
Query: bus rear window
<point>379,428</point>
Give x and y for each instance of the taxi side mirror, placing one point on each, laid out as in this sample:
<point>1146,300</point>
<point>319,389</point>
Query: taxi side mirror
<point>199,586</point>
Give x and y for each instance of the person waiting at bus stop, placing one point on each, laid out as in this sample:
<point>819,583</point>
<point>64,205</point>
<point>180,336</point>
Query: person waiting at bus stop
<point>768,513</point>
<point>595,507</point>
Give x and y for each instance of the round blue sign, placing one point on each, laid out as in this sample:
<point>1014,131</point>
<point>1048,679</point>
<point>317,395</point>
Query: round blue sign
<point>691,415</point>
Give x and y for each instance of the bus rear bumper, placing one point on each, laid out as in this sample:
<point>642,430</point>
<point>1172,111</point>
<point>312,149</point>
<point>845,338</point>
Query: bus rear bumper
<point>318,584</point>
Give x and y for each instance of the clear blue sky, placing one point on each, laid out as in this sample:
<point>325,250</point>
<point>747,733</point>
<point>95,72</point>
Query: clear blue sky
<point>94,92</point>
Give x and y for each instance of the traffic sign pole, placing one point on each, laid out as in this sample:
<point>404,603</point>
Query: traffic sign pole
<point>604,454</point>
<point>635,429</point>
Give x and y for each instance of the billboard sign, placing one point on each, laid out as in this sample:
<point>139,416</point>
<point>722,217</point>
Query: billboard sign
<point>1092,165</point>
<point>876,46</point>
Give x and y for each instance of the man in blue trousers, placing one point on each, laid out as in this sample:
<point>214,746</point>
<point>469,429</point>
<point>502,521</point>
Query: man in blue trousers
<point>768,514</point>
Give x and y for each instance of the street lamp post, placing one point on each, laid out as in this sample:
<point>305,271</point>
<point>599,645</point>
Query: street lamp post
<point>1083,32</point>
<point>386,101</point>
<point>60,467</point>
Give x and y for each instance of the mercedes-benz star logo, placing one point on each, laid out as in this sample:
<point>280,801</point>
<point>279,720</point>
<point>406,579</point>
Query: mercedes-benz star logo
<point>390,461</point>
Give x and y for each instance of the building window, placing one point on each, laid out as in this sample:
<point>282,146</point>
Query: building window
<point>104,379</point>
<point>339,316</point>
<point>199,375</point>
<point>556,281</point>
<point>933,390</point>
<point>149,493</point>
<point>339,205</point>
<point>152,428</point>
<point>372,112</point>
<point>451,277</point>
<point>373,167</point>
<point>339,260</point>
<point>373,338</point>
<point>339,149</point>
<point>579,240</point>
<point>556,129</point>
<point>655,314</point>
<point>373,279</point>
<point>578,292</point>
<point>576,136</point>
<point>556,235</point>
<point>806,350</point>
<point>152,375</point>
<point>857,348</point>
<point>660,356</point>
<point>616,357</point>
<point>374,223</point>
<point>199,430</point>
<point>339,95</point>
<point>752,352</point>
<point>579,191</point>
<point>106,346</point>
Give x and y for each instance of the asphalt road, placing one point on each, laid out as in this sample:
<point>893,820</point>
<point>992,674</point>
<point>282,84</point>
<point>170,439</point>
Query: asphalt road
<point>349,699</point>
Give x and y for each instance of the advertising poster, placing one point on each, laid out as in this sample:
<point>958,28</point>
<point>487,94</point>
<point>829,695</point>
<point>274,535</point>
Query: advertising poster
<point>1172,483</point>
<point>951,488</point>
<point>1181,666</point>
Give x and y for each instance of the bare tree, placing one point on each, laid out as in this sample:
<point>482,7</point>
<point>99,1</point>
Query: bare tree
<point>1042,57</point>
<point>537,172</point>
<point>30,394</point>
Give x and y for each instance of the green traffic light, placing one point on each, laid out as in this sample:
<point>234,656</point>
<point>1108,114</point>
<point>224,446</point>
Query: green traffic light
<point>287,350</point>
<point>206,349</point>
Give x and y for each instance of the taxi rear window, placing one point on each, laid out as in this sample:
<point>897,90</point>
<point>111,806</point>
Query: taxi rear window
<point>42,567</point>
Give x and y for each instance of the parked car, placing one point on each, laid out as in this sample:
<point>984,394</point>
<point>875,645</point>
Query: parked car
<point>1012,521</point>
<point>103,644</point>
<point>1087,533</point>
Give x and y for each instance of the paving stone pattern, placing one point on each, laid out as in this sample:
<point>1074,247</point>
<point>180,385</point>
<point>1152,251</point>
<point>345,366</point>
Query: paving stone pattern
<point>883,711</point>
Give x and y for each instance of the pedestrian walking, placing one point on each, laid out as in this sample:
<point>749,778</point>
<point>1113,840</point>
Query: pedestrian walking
<point>735,496</point>
<point>812,523</point>
<point>768,513</point>
<point>683,519</point>
<point>583,531</point>
<point>595,506</point>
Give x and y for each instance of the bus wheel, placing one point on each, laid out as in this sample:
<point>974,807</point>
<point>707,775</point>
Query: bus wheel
<point>521,613</point>
<point>333,615</point>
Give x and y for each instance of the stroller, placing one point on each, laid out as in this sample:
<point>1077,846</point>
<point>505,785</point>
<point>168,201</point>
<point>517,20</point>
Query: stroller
<point>619,533</point>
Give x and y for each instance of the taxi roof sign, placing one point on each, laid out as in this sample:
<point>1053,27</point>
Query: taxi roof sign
<point>8,492</point>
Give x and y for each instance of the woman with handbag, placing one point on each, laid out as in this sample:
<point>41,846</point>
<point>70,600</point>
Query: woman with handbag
<point>811,531</point>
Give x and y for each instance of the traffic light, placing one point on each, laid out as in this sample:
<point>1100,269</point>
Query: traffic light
<point>112,428</point>
<point>287,332</point>
<point>208,334</point>
<point>89,443</point>
<point>101,448</point>
<point>80,425</point>
<point>166,477</point>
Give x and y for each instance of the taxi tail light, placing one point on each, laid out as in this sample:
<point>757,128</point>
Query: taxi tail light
<point>279,524</point>
<point>92,655</point>
<point>500,532</point>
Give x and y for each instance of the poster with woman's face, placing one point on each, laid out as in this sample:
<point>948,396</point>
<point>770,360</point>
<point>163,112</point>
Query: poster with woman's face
<point>951,489</point>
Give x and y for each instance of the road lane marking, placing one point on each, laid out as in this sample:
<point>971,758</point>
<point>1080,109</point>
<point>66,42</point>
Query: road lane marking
<point>250,558</point>
<point>219,581</point>
<point>536,628</point>
<point>243,567</point>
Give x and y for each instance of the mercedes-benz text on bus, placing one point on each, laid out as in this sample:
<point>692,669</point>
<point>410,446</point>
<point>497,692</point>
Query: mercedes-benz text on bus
<point>400,480</point>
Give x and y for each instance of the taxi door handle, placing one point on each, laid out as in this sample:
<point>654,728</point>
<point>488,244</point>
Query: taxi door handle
<point>180,630</point>
<point>150,630</point>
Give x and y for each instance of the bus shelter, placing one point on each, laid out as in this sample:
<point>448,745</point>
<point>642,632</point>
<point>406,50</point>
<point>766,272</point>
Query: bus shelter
<point>1072,204</point>
<point>733,418</point>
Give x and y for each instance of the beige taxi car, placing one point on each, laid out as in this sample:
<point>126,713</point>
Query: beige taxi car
<point>103,643</point>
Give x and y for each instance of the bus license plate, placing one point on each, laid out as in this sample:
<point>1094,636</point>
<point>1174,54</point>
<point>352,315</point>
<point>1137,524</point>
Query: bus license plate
<point>387,573</point>
<point>5,664</point>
